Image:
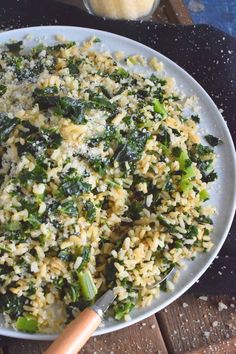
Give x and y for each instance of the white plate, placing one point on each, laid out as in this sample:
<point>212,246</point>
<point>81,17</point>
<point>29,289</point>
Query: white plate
<point>222,193</point>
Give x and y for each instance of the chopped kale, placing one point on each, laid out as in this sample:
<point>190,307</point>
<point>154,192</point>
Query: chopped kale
<point>66,255</point>
<point>110,271</point>
<point>135,209</point>
<point>34,220</point>
<point>38,174</point>
<point>132,149</point>
<point>105,91</point>
<point>3,90</point>
<point>164,137</point>
<point>14,47</point>
<point>73,184</point>
<point>36,50</point>
<point>73,109</point>
<point>192,232</point>
<point>38,141</point>
<point>99,165</point>
<point>58,47</point>
<point>163,284</point>
<point>211,177</point>
<point>198,151</point>
<point>202,219</point>
<point>102,102</point>
<point>110,135</point>
<point>170,228</point>
<point>157,81</point>
<point>168,184</point>
<point>46,97</point>
<point>176,132</point>
<point>7,125</point>
<point>73,290</point>
<point>68,207</point>
<point>119,74</point>
<point>142,94</point>
<point>90,211</point>
<point>12,305</point>
<point>202,156</point>
<point>96,40</point>
<point>59,282</point>
<point>122,308</point>
<point>73,66</point>
<point>85,253</point>
<point>178,243</point>
<point>195,118</point>
<point>176,151</point>
<point>212,140</point>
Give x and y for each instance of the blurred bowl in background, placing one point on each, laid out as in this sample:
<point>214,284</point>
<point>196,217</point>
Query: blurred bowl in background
<point>122,9</point>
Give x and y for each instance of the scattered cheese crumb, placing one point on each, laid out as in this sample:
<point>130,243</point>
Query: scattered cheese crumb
<point>203,298</point>
<point>215,324</point>
<point>222,306</point>
<point>206,334</point>
<point>185,305</point>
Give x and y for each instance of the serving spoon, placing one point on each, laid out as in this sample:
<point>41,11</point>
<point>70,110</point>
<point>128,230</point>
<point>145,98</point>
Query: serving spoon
<point>77,333</point>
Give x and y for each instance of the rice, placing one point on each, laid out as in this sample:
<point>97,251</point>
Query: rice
<point>102,176</point>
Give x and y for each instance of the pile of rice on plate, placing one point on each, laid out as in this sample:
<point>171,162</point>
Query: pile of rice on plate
<point>103,180</point>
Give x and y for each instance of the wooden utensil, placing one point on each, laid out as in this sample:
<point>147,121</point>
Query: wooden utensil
<point>77,333</point>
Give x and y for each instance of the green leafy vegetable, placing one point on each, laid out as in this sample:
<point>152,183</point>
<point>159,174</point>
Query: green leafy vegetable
<point>73,184</point>
<point>14,47</point>
<point>12,304</point>
<point>203,156</point>
<point>46,97</point>
<point>119,74</point>
<point>73,109</point>
<point>102,102</point>
<point>164,137</point>
<point>202,219</point>
<point>212,140</point>
<point>7,125</point>
<point>36,142</point>
<point>135,209</point>
<point>85,253</point>
<point>96,40</point>
<point>73,66</point>
<point>69,207</point>
<point>90,211</point>
<point>99,165</point>
<point>111,135</point>
<point>38,174</point>
<point>170,227</point>
<point>192,232</point>
<point>66,255</point>
<point>3,89</point>
<point>195,118</point>
<point>38,49</point>
<point>211,177</point>
<point>122,308</point>
<point>132,149</point>
<point>74,292</point>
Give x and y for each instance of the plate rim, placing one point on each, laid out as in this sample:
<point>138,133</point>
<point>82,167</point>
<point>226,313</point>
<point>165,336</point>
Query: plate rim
<point>120,325</point>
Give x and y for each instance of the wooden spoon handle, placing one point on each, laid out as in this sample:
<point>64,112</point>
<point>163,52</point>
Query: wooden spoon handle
<point>76,334</point>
